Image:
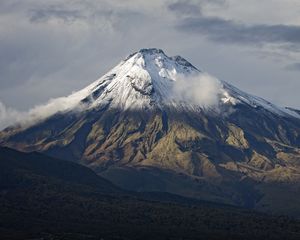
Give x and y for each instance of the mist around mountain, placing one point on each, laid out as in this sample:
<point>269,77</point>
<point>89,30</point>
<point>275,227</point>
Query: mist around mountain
<point>156,123</point>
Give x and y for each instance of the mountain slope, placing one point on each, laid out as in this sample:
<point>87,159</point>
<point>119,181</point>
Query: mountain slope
<point>156,123</point>
<point>46,198</point>
<point>27,169</point>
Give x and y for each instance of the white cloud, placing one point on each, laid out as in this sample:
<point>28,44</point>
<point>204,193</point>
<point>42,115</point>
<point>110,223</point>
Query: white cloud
<point>9,116</point>
<point>201,89</point>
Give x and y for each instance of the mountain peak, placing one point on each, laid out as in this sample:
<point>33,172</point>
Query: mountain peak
<point>156,53</point>
<point>146,51</point>
<point>149,79</point>
<point>151,51</point>
<point>145,79</point>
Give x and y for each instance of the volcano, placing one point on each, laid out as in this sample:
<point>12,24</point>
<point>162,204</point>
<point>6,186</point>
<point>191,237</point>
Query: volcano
<point>157,123</point>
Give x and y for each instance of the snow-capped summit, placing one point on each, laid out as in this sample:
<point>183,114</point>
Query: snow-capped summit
<point>144,79</point>
<point>149,79</point>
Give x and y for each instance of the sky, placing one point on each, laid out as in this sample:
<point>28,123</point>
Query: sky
<point>51,48</point>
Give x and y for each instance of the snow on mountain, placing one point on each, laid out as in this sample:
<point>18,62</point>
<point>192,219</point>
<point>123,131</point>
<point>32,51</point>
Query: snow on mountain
<point>150,79</point>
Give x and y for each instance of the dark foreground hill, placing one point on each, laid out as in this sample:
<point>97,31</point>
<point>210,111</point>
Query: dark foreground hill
<point>45,198</point>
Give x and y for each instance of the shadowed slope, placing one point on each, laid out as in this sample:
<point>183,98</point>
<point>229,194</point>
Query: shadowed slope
<point>48,198</point>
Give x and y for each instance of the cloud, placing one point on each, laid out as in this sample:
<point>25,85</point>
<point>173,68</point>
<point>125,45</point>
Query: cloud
<point>9,116</point>
<point>185,8</point>
<point>201,89</point>
<point>104,16</point>
<point>192,8</point>
<point>293,67</point>
<point>228,31</point>
<point>42,15</point>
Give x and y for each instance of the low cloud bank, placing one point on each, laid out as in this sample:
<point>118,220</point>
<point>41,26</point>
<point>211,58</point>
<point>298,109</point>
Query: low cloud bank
<point>10,117</point>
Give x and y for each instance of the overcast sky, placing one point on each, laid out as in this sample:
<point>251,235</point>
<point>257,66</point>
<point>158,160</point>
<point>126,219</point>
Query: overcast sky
<point>50,48</point>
